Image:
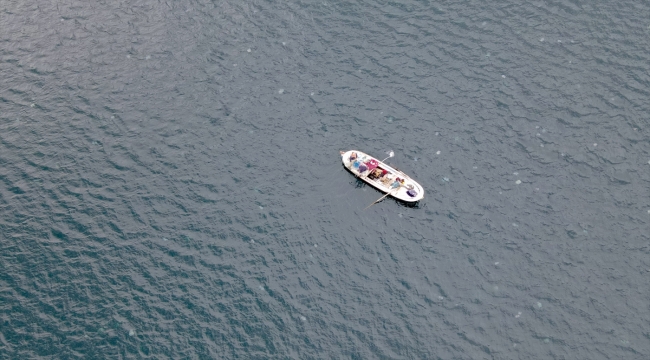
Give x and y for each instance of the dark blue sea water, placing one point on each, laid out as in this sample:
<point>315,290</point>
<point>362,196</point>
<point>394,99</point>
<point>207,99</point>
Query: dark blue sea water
<point>171,185</point>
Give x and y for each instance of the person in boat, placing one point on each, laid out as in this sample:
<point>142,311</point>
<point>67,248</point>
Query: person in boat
<point>374,174</point>
<point>355,162</point>
<point>398,182</point>
<point>377,174</point>
<point>362,168</point>
<point>387,180</point>
<point>372,164</point>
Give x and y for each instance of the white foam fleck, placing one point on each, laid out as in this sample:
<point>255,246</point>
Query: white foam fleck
<point>261,287</point>
<point>32,105</point>
<point>541,145</point>
<point>249,50</point>
<point>440,298</point>
<point>147,57</point>
<point>438,152</point>
<point>261,207</point>
<point>539,304</point>
<point>315,245</point>
<point>518,182</point>
<point>541,39</point>
<point>496,263</point>
<point>234,64</point>
<point>281,91</point>
<point>312,94</point>
<point>131,332</point>
<point>518,314</point>
<point>515,225</point>
<point>474,167</point>
<point>284,43</point>
<point>303,318</point>
<point>515,173</point>
<point>128,56</point>
<point>165,239</point>
<point>437,133</point>
<point>503,76</point>
<point>595,144</point>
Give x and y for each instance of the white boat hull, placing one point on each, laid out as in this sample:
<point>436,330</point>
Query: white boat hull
<point>399,193</point>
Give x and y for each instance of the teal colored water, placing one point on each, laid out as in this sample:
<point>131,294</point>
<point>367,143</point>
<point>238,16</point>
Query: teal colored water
<point>171,186</point>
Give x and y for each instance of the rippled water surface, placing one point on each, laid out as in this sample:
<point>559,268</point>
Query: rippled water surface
<point>171,186</point>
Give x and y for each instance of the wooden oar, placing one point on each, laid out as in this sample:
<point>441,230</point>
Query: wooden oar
<point>382,198</point>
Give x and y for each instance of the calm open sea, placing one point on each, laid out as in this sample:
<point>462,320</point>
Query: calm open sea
<point>171,185</point>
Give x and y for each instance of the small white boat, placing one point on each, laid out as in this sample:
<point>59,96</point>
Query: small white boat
<point>381,176</point>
